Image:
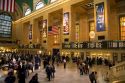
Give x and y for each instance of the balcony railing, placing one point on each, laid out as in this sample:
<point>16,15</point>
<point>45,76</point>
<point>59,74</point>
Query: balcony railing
<point>118,72</point>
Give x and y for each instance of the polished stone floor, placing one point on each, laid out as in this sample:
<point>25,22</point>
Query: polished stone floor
<point>69,75</point>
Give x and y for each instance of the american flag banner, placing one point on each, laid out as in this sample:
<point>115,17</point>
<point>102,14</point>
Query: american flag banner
<point>53,30</point>
<point>66,23</point>
<point>7,5</point>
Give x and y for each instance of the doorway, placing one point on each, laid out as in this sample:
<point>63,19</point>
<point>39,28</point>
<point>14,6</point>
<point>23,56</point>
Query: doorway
<point>56,52</point>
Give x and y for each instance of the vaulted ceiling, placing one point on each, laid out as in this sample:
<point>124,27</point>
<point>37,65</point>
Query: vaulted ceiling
<point>21,2</point>
<point>19,7</point>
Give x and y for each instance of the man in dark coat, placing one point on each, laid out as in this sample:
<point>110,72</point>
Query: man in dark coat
<point>49,72</point>
<point>10,78</point>
<point>34,79</point>
<point>92,77</point>
<point>22,74</point>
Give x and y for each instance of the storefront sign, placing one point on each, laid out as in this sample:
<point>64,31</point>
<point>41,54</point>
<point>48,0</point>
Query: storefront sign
<point>95,45</point>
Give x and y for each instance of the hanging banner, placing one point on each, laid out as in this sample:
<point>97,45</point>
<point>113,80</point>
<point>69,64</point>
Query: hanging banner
<point>100,18</point>
<point>77,31</point>
<point>44,27</point>
<point>66,23</point>
<point>30,32</point>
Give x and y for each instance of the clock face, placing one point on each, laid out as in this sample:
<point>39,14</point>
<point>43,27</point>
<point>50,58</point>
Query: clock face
<point>92,34</point>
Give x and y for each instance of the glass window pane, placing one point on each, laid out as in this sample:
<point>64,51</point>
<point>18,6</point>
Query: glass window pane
<point>51,1</point>
<point>39,5</point>
<point>28,11</point>
<point>5,25</point>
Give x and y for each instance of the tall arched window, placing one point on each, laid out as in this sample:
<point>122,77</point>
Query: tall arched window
<point>39,5</point>
<point>28,11</point>
<point>5,25</point>
<point>122,27</point>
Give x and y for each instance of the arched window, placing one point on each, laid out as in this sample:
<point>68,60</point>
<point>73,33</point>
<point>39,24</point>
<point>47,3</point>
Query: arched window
<point>5,25</point>
<point>28,11</point>
<point>51,1</point>
<point>39,5</point>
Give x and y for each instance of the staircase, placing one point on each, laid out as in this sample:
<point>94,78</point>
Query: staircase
<point>117,74</point>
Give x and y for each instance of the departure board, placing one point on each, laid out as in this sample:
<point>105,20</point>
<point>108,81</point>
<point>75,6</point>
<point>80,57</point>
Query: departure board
<point>5,25</point>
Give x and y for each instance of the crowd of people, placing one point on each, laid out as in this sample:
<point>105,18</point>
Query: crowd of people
<point>21,63</point>
<point>24,63</point>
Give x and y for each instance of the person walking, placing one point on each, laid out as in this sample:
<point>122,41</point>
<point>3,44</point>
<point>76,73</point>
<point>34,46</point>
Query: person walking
<point>10,78</point>
<point>21,73</point>
<point>64,61</point>
<point>92,77</point>
<point>34,79</point>
<point>53,71</point>
<point>81,69</point>
<point>49,72</point>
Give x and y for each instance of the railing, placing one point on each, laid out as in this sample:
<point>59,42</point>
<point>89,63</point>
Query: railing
<point>118,72</point>
<point>95,45</point>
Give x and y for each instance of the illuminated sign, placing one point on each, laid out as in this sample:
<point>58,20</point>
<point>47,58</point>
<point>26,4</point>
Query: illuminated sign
<point>95,45</point>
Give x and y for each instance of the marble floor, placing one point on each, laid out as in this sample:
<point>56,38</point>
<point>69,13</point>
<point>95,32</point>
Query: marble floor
<point>68,75</point>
